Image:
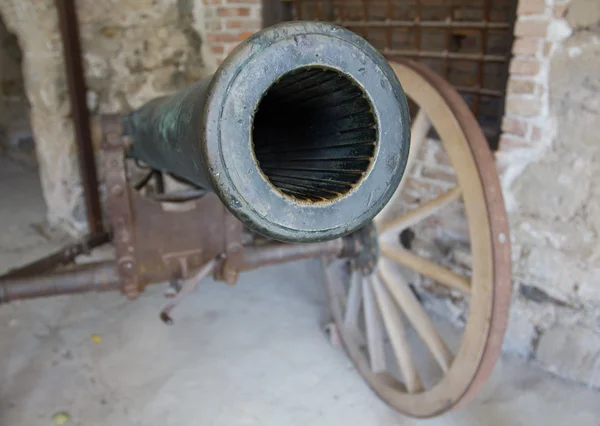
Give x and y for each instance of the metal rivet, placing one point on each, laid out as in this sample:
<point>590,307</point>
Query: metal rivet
<point>116,190</point>
<point>502,238</point>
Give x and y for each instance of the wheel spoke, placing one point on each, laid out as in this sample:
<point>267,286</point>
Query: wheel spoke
<point>415,313</point>
<point>354,300</point>
<point>425,267</point>
<point>418,133</point>
<point>422,212</point>
<point>333,276</point>
<point>397,334</point>
<point>374,329</point>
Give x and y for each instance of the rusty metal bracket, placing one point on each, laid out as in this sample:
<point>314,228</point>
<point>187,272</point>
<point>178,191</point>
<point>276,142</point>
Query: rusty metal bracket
<point>231,260</point>
<point>366,252</point>
<point>119,204</point>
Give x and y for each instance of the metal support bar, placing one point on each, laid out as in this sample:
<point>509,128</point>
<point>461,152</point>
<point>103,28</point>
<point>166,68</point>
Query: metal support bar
<point>466,25</point>
<point>275,11</point>
<point>104,276</point>
<point>445,55</point>
<point>61,257</point>
<point>273,254</point>
<point>78,94</point>
<point>100,276</point>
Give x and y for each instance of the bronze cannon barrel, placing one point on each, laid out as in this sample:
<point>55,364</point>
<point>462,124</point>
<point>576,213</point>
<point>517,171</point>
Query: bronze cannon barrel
<point>303,132</point>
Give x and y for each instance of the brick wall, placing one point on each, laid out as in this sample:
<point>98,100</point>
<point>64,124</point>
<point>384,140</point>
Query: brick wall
<point>538,29</point>
<point>228,22</point>
<point>549,169</point>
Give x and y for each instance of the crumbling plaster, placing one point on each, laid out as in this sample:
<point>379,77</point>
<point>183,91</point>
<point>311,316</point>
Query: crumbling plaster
<point>553,193</point>
<point>133,50</point>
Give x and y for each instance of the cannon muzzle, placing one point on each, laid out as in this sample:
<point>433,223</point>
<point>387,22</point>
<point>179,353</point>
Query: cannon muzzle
<point>303,132</point>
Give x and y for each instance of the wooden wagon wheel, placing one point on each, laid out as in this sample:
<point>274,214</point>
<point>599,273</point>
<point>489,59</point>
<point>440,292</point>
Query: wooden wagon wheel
<point>373,313</point>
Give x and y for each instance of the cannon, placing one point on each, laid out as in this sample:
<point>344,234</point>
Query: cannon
<point>302,133</point>
<point>299,146</point>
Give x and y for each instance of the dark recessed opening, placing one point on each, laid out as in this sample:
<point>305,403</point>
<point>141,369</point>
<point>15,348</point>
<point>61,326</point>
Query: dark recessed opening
<point>314,134</point>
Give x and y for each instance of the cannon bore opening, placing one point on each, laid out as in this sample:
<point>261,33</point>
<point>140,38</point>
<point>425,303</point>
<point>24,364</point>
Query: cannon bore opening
<point>314,134</point>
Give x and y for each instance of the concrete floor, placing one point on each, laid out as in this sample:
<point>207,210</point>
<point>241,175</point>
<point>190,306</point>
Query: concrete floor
<point>253,354</point>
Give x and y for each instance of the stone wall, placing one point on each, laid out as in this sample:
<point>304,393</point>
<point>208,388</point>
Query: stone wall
<point>15,132</point>
<point>133,50</point>
<point>550,162</point>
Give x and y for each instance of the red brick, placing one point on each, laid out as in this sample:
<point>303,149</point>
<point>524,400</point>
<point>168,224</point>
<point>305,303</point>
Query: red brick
<point>222,37</point>
<point>526,47</point>
<point>525,107</point>
<point>531,28</point>
<point>212,26</point>
<point>531,7</point>
<point>522,87</point>
<point>244,36</point>
<point>218,49</point>
<point>233,11</point>
<point>243,24</point>
<point>514,126</point>
<point>508,143</point>
<point>524,67</point>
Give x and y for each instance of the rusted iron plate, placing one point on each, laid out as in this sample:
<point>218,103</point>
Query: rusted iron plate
<point>173,240</point>
<point>118,203</point>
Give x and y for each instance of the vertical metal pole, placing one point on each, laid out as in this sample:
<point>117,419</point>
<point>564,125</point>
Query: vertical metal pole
<point>276,11</point>
<point>298,8</point>
<point>389,15</point>
<point>449,34</point>
<point>417,26</point>
<point>483,37</point>
<point>365,17</point>
<point>69,30</point>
